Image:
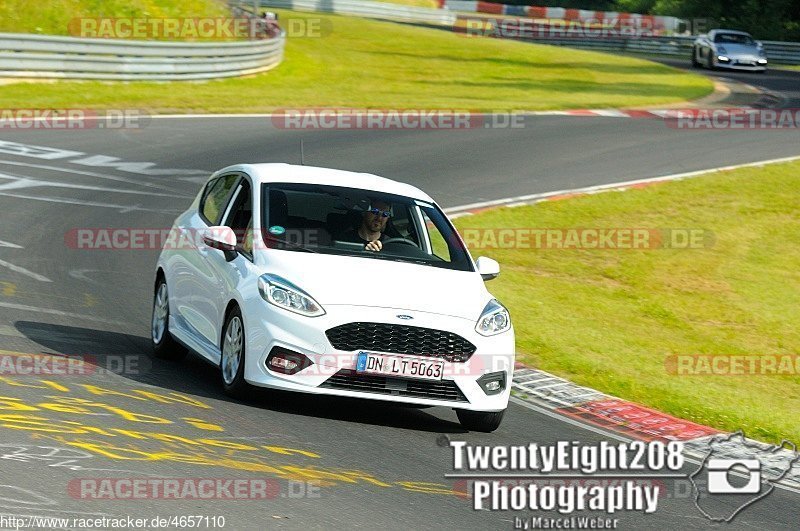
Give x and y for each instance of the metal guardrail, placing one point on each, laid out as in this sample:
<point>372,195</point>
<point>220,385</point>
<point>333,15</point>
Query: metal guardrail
<point>672,45</point>
<point>679,45</point>
<point>361,8</point>
<point>43,56</point>
<point>783,52</point>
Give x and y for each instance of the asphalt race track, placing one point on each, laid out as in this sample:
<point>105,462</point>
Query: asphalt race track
<point>381,465</point>
<point>782,83</point>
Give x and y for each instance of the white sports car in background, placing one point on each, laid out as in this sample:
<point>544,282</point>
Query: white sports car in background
<point>267,277</point>
<point>731,49</point>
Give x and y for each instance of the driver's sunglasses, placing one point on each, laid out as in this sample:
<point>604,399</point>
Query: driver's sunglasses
<point>379,212</point>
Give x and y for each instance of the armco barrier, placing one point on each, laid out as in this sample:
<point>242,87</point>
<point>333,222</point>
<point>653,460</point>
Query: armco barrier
<point>360,8</point>
<point>678,45</point>
<point>783,52</point>
<point>777,52</point>
<point>42,56</point>
<point>657,45</point>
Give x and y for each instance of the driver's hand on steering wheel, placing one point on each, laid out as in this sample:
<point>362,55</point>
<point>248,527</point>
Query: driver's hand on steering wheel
<point>374,245</point>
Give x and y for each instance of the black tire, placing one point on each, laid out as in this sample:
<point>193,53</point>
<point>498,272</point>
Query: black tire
<point>695,62</point>
<point>479,420</point>
<point>710,61</point>
<point>233,382</point>
<point>164,345</point>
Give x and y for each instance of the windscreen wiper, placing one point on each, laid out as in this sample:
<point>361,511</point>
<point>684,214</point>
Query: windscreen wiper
<point>297,246</point>
<point>395,258</point>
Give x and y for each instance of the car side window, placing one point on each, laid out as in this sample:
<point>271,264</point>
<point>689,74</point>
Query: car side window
<point>240,217</point>
<point>215,198</point>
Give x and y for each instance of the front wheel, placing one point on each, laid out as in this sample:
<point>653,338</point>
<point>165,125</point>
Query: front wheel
<point>164,346</point>
<point>695,62</point>
<point>480,420</point>
<point>233,355</point>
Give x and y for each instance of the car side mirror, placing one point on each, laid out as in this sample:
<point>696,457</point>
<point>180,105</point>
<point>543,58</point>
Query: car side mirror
<point>223,239</point>
<point>488,268</point>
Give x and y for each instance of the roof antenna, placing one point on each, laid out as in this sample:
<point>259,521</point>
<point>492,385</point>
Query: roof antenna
<point>302,154</point>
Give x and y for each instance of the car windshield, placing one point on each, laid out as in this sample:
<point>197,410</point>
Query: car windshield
<point>337,220</point>
<point>734,38</point>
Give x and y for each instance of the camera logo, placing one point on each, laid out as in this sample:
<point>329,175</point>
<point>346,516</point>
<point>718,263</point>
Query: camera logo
<point>736,473</point>
<point>720,469</point>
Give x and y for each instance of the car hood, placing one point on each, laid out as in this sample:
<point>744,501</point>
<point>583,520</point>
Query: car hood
<point>739,50</point>
<point>347,280</point>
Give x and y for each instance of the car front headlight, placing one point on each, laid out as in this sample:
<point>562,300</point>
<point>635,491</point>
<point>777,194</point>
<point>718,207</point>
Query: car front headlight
<point>721,50</point>
<point>493,320</point>
<point>282,293</point>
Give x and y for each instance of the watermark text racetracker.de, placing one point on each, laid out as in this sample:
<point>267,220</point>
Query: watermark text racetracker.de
<point>594,238</point>
<point>628,464</point>
<point>470,25</point>
<point>348,118</point>
<point>207,488</point>
<point>192,28</point>
<point>733,364</point>
<point>150,239</point>
<point>68,119</point>
<point>18,364</point>
<point>738,118</point>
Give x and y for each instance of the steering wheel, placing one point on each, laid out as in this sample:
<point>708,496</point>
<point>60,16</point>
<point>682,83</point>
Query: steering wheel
<point>405,241</point>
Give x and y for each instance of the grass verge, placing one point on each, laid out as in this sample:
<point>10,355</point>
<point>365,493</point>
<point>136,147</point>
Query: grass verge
<point>356,62</point>
<point>53,17</point>
<point>609,319</point>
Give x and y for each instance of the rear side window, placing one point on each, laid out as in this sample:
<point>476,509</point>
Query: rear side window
<point>215,198</point>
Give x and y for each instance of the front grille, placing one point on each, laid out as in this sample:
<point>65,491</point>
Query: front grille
<point>369,383</point>
<point>401,339</point>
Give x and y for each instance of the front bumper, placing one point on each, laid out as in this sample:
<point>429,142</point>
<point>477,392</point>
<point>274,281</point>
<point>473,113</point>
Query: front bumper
<point>750,64</point>
<point>333,371</point>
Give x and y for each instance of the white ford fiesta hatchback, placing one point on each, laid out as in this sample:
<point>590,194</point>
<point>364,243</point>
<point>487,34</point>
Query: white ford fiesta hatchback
<point>275,276</point>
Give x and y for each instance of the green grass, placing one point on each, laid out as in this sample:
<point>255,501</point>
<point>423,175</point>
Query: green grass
<point>609,318</point>
<point>367,63</point>
<point>53,16</point>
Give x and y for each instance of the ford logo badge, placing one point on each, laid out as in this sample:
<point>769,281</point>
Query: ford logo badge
<point>404,317</point>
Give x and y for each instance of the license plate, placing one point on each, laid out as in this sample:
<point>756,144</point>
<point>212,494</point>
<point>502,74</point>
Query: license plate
<point>387,365</point>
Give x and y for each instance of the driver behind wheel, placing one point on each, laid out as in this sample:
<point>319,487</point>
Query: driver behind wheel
<point>372,228</point>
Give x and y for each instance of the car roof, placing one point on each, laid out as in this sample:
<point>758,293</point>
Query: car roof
<point>737,32</point>
<point>292,173</point>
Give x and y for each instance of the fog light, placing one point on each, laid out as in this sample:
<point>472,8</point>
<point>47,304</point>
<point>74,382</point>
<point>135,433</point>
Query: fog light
<point>282,363</point>
<point>286,361</point>
<point>722,58</point>
<point>493,383</point>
